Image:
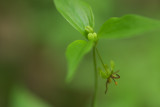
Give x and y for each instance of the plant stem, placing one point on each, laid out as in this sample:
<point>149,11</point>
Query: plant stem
<point>100,59</point>
<point>96,78</point>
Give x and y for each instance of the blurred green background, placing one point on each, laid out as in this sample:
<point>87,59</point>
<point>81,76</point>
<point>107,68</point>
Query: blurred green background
<point>33,39</point>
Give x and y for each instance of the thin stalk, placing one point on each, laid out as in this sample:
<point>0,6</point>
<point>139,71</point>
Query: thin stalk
<point>96,78</point>
<point>101,59</point>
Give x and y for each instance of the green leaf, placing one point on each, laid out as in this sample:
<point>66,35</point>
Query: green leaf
<point>77,13</point>
<point>75,52</point>
<point>127,26</point>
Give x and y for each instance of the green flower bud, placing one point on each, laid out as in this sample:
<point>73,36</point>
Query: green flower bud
<point>89,29</point>
<point>92,36</point>
<point>95,36</point>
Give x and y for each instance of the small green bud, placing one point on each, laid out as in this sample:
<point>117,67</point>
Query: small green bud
<point>92,36</point>
<point>95,36</point>
<point>89,29</point>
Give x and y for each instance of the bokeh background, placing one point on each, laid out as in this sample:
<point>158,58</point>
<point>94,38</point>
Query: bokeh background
<point>33,39</point>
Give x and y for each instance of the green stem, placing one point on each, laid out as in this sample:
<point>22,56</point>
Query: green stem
<point>96,78</point>
<point>101,59</point>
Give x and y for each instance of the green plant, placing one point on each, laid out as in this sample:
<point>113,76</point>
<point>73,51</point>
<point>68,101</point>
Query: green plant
<point>80,16</point>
